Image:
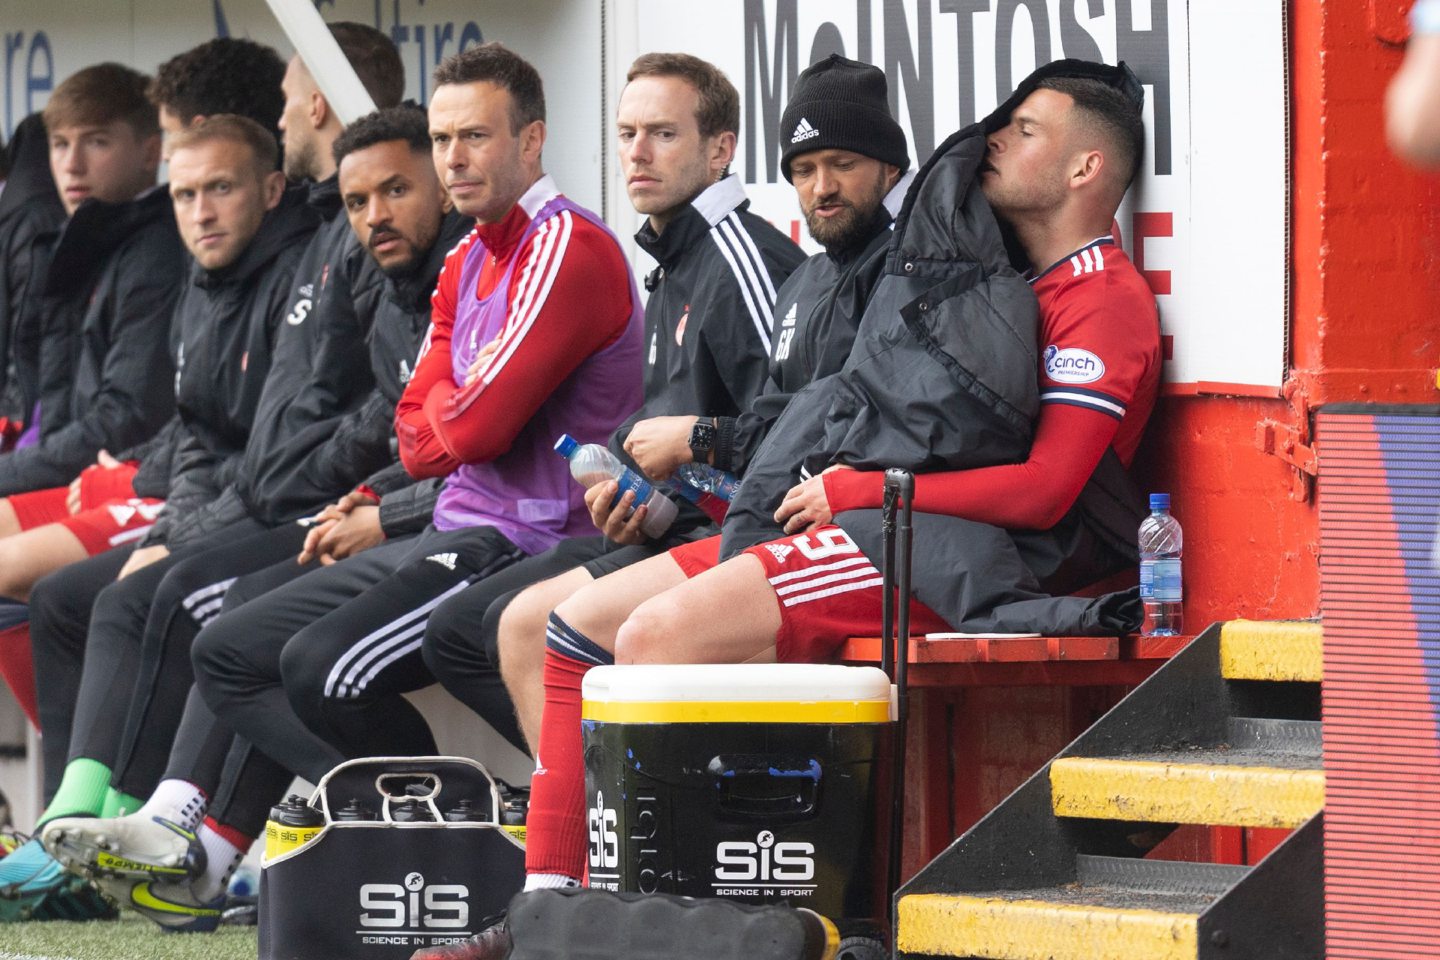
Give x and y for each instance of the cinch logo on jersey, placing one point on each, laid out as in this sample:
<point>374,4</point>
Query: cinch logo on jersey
<point>804,131</point>
<point>1072,365</point>
<point>412,912</point>
<point>764,868</point>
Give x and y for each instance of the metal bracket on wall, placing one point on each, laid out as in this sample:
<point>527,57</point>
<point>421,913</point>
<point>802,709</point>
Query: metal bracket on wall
<point>1390,21</point>
<point>1291,441</point>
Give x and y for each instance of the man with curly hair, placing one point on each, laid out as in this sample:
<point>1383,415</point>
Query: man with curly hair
<point>224,75</point>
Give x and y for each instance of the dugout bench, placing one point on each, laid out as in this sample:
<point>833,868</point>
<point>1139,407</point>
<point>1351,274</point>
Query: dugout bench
<point>987,712</point>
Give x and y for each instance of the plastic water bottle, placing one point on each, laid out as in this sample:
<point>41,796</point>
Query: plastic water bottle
<point>591,463</point>
<point>1161,544</point>
<point>707,487</point>
<point>708,479</point>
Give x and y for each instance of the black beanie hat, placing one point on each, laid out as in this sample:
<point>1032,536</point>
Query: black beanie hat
<point>841,104</point>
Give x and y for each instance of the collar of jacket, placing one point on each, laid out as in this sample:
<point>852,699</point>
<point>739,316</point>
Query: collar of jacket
<point>293,217</point>
<point>692,224</point>
<point>324,195</point>
<point>96,230</point>
<point>413,290</point>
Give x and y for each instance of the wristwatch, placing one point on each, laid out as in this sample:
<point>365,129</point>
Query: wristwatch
<point>702,438</point>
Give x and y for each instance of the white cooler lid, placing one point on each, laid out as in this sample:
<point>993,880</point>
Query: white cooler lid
<point>735,683</point>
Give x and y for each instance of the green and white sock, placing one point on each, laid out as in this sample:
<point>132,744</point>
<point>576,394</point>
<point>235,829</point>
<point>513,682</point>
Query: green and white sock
<point>83,791</point>
<point>118,804</point>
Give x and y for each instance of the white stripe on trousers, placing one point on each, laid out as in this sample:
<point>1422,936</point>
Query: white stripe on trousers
<point>345,680</point>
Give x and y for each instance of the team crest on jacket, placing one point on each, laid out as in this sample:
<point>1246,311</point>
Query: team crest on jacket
<point>680,327</point>
<point>1072,365</point>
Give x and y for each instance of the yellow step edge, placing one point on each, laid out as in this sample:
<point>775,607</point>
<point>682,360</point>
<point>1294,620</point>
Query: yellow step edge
<point>1159,792</point>
<point>963,926</point>
<point>1271,650</point>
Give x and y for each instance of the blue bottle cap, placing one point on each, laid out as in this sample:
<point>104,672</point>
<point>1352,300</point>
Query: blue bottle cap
<point>1159,501</point>
<point>566,445</point>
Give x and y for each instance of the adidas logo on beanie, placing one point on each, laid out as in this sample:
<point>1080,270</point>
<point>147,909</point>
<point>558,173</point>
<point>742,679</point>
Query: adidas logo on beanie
<point>842,104</point>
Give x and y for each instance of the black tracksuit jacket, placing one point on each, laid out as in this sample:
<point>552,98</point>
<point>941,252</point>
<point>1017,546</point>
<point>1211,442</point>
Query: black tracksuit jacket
<point>710,315</point>
<point>225,325</point>
<point>817,312</point>
<point>319,369</point>
<point>31,216</point>
<point>103,328</point>
<point>362,446</point>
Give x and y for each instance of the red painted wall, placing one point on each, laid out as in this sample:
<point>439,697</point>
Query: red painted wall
<point>1364,324</point>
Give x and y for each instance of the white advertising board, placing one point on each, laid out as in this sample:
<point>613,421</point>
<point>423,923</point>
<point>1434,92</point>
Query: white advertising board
<point>44,41</point>
<point>1214,183</point>
<point>1216,156</point>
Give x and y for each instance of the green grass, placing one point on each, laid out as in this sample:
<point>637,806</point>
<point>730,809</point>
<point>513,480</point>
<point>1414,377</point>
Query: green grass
<point>132,937</point>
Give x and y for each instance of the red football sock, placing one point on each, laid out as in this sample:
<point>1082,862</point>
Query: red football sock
<point>555,827</point>
<point>17,669</point>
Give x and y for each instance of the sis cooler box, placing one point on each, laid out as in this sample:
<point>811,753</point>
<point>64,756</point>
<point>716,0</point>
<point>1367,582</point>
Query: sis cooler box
<point>762,783</point>
<point>389,855</point>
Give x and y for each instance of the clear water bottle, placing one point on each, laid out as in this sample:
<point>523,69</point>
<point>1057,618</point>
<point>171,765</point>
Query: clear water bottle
<point>708,479</point>
<point>709,488</point>
<point>591,463</point>
<point>1161,544</point>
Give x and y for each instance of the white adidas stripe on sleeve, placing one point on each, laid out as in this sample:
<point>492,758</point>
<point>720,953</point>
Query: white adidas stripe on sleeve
<point>751,291</point>
<point>527,308</point>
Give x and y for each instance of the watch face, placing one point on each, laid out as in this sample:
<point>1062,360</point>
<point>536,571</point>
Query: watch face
<point>702,436</point>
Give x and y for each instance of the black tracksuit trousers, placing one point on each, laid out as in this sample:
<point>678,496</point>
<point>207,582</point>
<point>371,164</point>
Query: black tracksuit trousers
<point>112,656</point>
<point>312,673</point>
<point>462,641</point>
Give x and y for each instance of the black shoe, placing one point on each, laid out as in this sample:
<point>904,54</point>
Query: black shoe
<point>491,943</point>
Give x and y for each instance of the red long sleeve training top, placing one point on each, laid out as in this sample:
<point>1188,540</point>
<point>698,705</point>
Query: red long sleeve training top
<point>568,298</point>
<point>1100,372</point>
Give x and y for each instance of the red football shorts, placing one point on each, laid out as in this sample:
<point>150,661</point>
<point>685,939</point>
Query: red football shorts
<point>828,591</point>
<point>98,529</point>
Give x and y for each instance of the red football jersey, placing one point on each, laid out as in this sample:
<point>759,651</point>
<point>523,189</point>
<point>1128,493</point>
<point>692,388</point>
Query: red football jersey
<point>1100,339</point>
